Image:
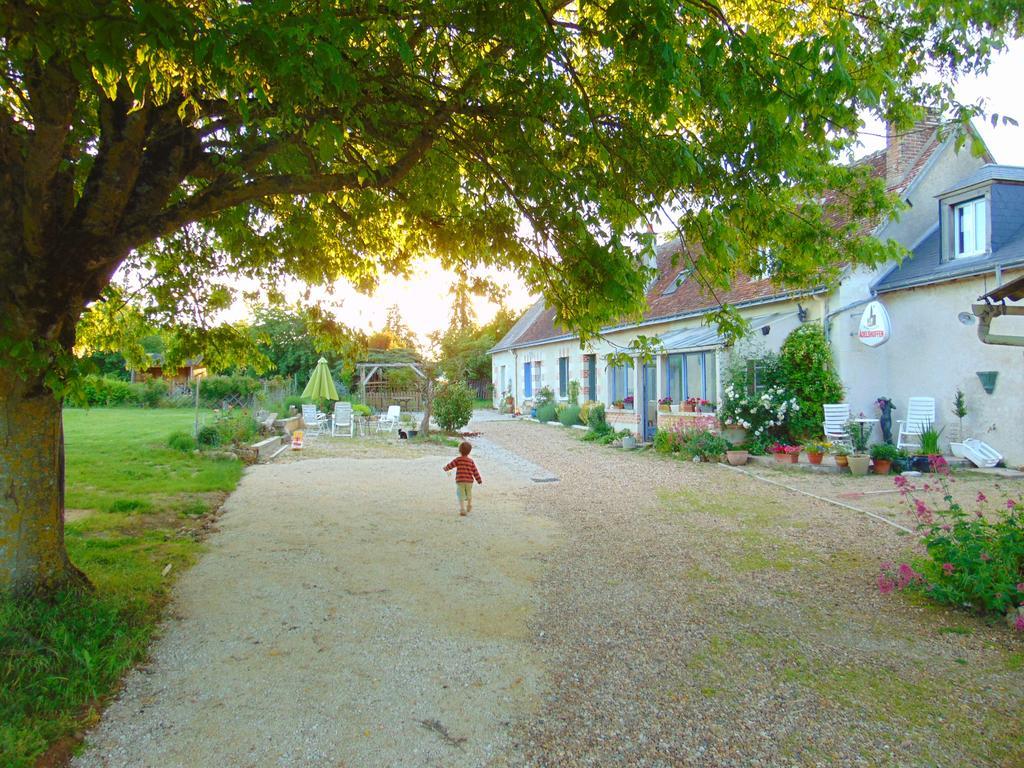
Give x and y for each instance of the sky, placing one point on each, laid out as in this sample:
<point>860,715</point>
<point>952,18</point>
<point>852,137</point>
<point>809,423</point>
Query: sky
<point>423,298</point>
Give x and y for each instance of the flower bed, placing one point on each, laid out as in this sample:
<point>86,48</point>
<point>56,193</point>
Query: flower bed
<point>975,559</point>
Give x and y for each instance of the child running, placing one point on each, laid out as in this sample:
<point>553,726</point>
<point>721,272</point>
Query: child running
<point>465,473</point>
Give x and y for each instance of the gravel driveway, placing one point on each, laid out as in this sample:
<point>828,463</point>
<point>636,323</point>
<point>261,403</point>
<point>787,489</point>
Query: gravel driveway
<point>637,612</point>
<point>344,616</point>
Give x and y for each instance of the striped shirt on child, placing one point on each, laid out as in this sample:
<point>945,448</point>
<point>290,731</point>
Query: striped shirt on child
<point>465,470</point>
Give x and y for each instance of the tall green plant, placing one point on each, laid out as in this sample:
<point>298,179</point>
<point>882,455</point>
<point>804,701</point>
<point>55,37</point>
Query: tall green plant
<point>453,406</point>
<point>809,373</point>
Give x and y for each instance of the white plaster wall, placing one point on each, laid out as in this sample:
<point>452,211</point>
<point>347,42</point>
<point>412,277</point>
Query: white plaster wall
<point>860,371</point>
<point>931,354</point>
<point>506,359</point>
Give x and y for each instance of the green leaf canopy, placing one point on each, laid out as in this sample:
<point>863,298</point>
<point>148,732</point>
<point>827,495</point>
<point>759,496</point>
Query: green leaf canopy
<point>192,143</point>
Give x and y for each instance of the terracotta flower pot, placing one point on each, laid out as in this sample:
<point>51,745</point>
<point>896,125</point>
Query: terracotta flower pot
<point>882,466</point>
<point>737,458</point>
<point>842,461</point>
<point>815,458</point>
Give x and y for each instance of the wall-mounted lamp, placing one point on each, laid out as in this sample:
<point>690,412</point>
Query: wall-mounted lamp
<point>988,380</point>
<point>801,313</point>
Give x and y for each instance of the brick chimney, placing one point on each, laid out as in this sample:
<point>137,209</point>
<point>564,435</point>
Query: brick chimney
<point>903,148</point>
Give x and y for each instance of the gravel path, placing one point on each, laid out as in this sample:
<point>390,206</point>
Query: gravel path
<point>638,612</point>
<point>344,616</point>
<point>700,617</point>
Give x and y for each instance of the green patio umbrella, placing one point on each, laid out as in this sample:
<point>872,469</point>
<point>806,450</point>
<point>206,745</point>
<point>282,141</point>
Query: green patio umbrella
<point>321,385</point>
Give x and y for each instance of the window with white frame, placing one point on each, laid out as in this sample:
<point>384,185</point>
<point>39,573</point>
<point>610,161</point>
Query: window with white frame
<point>970,228</point>
<point>757,371</point>
<point>563,377</point>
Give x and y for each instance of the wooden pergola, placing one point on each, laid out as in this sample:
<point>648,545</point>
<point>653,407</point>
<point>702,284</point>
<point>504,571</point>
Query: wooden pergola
<point>367,370</point>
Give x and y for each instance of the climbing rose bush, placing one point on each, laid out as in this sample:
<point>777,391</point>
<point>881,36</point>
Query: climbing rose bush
<point>975,558</point>
<point>764,415</point>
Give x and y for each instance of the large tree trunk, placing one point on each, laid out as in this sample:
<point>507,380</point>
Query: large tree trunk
<point>32,554</point>
<point>428,406</point>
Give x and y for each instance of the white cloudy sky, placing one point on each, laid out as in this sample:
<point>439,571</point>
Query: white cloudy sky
<point>423,299</point>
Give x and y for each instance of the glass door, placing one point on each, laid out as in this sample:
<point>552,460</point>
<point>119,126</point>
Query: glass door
<point>649,398</point>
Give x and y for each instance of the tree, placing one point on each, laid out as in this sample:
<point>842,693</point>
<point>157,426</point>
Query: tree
<point>401,335</point>
<point>194,142</point>
<point>292,340</point>
<point>462,351</point>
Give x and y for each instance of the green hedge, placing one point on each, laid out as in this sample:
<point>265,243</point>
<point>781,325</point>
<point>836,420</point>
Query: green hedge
<point>107,391</point>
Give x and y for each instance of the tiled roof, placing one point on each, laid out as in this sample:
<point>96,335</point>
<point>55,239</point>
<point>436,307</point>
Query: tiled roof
<point>690,298</point>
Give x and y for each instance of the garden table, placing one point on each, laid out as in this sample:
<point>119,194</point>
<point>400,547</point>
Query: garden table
<point>868,421</point>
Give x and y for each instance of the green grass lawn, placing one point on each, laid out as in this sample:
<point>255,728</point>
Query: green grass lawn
<point>60,658</point>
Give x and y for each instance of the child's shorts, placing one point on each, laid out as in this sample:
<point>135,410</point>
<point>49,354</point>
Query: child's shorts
<point>464,492</point>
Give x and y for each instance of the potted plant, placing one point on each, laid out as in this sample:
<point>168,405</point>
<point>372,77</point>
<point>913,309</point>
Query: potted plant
<point>665,404</point>
<point>959,410</point>
<point>859,461</point>
<point>841,454</point>
<point>816,451</point>
<point>785,454</point>
<point>627,402</point>
<point>883,454</point>
<point>929,448</point>
<point>690,405</point>
<point>737,457</point>
<point>903,461</point>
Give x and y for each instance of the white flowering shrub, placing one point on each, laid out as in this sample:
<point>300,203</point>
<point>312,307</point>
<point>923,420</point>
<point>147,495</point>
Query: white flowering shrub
<point>765,415</point>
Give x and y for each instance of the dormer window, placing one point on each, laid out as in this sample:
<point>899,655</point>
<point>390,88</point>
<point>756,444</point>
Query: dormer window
<point>970,228</point>
<point>680,279</point>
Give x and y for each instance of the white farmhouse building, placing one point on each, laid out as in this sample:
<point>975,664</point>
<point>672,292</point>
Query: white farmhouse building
<point>964,227</point>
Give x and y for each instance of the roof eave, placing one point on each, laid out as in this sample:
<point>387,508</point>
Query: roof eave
<point>933,279</point>
<point>679,316</point>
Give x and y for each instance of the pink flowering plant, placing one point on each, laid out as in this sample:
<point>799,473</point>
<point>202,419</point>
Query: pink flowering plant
<point>975,558</point>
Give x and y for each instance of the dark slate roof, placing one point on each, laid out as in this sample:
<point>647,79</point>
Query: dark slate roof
<point>925,265</point>
<point>989,172</point>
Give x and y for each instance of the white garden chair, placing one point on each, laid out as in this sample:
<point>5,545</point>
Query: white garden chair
<point>836,417</point>
<point>389,421</point>
<point>342,423</point>
<point>920,416</point>
<point>313,419</point>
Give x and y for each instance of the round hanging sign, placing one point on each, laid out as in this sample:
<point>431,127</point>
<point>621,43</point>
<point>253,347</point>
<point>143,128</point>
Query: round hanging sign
<point>875,327</point>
